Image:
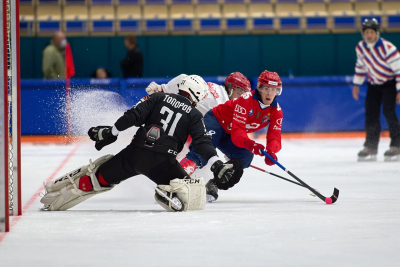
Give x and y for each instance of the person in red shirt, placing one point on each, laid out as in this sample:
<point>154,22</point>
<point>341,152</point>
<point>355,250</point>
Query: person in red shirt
<point>229,123</point>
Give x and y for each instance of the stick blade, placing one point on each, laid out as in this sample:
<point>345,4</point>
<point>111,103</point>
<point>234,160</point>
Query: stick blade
<point>335,195</point>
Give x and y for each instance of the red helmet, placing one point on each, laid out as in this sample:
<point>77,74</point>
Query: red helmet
<point>237,80</point>
<point>270,79</point>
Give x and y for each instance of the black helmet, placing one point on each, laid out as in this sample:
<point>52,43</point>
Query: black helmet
<point>370,24</point>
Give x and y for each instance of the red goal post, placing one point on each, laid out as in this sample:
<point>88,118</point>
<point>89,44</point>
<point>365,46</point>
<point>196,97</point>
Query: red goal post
<point>10,117</point>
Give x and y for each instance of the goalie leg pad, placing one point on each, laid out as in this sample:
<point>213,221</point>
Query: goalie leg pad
<point>66,198</point>
<point>190,192</point>
<point>70,177</point>
<point>63,193</point>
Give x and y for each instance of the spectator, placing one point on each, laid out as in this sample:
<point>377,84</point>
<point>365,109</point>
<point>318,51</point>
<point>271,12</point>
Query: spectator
<point>379,60</point>
<point>132,64</point>
<point>101,73</point>
<point>53,64</point>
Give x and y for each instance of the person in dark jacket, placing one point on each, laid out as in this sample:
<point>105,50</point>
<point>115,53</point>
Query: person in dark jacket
<point>132,64</point>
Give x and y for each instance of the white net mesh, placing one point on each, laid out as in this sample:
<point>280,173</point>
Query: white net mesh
<point>10,105</point>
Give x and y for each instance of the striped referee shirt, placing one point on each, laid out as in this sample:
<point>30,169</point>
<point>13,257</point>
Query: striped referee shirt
<point>380,63</point>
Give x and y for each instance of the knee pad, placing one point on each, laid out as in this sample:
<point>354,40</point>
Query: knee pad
<point>237,174</point>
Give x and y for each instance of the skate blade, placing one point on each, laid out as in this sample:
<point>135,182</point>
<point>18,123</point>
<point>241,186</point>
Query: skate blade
<point>45,208</point>
<point>367,159</point>
<point>392,158</point>
<point>176,203</point>
<point>210,198</point>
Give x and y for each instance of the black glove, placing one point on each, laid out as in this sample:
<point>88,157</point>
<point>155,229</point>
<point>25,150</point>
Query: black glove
<point>236,175</point>
<point>222,171</point>
<point>102,135</point>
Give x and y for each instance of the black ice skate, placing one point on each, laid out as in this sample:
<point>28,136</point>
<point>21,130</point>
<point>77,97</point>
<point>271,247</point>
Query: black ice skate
<point>168,200</point>
<point>367,154</point>
<point>393,154</point>
<point>211,191</point>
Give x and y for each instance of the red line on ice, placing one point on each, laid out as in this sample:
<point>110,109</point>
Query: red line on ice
<point>35,195</point>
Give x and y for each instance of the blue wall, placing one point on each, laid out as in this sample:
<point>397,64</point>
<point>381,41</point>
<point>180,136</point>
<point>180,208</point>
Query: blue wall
<point>168,56</point>
<point>309,104</point>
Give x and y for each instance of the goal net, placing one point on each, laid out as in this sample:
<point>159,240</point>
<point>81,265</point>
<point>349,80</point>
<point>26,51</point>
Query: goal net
<point>10,128</point>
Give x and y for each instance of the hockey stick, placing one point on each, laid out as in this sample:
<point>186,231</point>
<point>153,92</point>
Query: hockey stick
<point>276,175</point>
<point>328,200</point>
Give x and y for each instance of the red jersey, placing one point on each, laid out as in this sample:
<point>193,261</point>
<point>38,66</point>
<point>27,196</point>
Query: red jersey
<point>246,115</point>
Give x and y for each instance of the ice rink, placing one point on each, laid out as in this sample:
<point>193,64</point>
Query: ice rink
<point>262,221</point>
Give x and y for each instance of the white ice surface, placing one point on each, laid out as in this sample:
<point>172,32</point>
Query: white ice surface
<point>262,221</point>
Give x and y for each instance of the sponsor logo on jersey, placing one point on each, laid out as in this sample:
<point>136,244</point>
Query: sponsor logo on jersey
<point>240,109</point>
<point>239,120</point>
<point>258,115</point>
<point>276,128</point>
<point>265,119</point>
<point>279,122</point>
<point>248,126</point>
<point>251,112</point>
<point>212,90</point>
<point>252,126</point>
<point>240,117</point>
<point>210,133</point>
<point>173,152</point>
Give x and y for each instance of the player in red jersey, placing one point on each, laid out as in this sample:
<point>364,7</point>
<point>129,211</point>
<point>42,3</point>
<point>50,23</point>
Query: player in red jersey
<point>229,123</point>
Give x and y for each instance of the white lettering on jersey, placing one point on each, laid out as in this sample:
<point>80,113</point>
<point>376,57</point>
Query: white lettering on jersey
<point>248,126</point>
<point>240,117</point>
<point>210,133</point>
<point>172,152</point>
<point>252,126</point>
<point>279,121</point>
<point>276,128</point>
<point>212,90</point>
<point>238,120</point>
<point>177,104</point>
<point>246,95</point>
<point>240,109</point>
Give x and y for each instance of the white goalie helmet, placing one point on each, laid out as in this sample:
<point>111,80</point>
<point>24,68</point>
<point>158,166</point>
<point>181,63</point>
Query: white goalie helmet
<point>195,87</point>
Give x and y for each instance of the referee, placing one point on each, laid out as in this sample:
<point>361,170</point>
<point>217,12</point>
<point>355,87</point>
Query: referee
<point>379,61</point>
